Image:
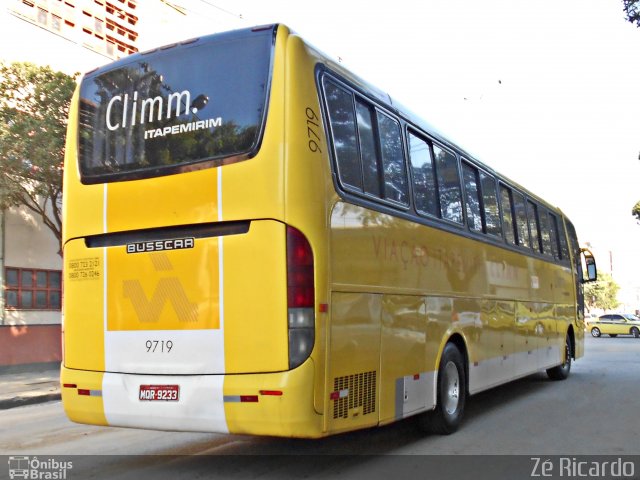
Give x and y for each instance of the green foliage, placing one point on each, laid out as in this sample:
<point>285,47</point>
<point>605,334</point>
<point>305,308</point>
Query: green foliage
<point>635,211</point>
<point>603,293</point>
<point>34,103</point>
<point>632,11</point>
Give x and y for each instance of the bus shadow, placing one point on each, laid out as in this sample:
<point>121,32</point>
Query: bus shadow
<point>376,440</point>
<point>239,456</point>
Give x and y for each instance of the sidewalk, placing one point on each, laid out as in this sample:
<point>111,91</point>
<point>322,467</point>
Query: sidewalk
<point>28,384</point>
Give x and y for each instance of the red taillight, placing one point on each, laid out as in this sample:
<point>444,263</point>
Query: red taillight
<point>273,393</point>
<point>300,284</point>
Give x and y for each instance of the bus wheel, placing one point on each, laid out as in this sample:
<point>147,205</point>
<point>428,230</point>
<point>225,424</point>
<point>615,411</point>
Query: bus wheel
<point>561,372</point>
<point>451,396</point>
<point>635,332</point>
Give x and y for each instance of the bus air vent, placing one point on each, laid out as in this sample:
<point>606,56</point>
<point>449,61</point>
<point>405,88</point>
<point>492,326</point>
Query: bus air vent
<point>356,391</point>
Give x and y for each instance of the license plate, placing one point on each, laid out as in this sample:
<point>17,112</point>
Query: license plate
<point>162,393</point>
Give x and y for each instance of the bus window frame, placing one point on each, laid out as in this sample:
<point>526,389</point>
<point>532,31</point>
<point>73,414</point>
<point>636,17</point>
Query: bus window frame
<point>195,165</point>
<point>409,212</point>
<point>371,201</point>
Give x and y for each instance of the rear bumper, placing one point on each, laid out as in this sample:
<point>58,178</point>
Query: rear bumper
<point>239,404</point>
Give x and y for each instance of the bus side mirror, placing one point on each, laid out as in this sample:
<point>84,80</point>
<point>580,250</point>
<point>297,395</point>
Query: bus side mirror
<point>590,263</point>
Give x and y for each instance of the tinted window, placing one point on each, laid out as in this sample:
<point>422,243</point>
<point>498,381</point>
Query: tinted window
<point>343,127</point>
<point>176,106</point>
<point>11,298</point>
<point>545,232</point>
<point>424,182</point>
<point>564,249</point>
<point>54,299</point>
<point>553,233</point>
<point>521,219</point>
<point>507,215</point>
<point>54,279</point>
<point>41,299</point>
<point>490,200</point>
<point>368,149</point>
<point>395,175</point>
<point>26,278</point>
<point>472,197</point>
<point>26,298</point>
<point>12,277</point>
<point>41,279</point>
<point>532,215</point>
<point>449,185</point>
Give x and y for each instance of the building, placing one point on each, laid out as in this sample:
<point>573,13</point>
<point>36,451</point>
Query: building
<point>71,36</point>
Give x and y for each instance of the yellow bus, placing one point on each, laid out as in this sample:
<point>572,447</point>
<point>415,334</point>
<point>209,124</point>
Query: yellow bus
<point>256,241</point>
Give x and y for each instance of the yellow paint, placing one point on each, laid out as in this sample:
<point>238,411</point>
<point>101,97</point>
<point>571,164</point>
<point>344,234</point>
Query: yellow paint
<point>83,320</point>
<point>171,290</point>
<point>289,415</point>
<point>255,309</point>
<point>82,408</point>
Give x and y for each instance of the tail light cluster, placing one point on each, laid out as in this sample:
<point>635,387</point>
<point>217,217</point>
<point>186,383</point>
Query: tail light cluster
<point>300,297</point>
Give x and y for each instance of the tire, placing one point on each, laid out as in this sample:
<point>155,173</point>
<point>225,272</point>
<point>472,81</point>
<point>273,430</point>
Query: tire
<point>595,332</point>
<point>613,335</point>
<point>635,332</point>
<point>561,372</point>
<point>451,394</point>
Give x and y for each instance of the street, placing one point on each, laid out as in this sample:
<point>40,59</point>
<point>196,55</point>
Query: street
<point>594,412</point>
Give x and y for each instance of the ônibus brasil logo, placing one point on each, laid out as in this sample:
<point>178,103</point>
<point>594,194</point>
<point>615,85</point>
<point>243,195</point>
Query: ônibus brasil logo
<point>38,469</point>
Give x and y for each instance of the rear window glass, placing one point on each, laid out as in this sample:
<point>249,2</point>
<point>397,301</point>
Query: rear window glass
<point>173,107</point>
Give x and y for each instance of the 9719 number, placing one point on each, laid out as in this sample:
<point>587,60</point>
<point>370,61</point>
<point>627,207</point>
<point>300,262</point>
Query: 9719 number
<point>313,127</point>
<point>159,346</point>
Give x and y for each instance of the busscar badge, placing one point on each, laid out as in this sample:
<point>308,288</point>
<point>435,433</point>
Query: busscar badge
<point>161,245</point>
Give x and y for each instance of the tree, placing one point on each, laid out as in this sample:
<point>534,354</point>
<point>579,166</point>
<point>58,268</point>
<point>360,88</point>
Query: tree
<point>632,11</point>
<point>635,211</point>
<point>603,293</point>
<point>34,102</point>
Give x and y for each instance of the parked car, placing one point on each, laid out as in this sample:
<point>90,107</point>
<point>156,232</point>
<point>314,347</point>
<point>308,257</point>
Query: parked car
<point>615,324</point>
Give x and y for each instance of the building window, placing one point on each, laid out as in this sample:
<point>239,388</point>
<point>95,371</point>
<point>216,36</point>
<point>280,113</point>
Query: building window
<point>56,23</point>
<point>43,16</point>
<point>31,289</point>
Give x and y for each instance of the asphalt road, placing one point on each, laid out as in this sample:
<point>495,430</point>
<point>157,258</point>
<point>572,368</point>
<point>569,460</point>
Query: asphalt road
<point>594,412</point>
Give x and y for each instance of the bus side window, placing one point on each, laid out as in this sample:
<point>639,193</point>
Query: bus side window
<point>564,249</point>
<point>507,215</point>
<point>393,167</point>
<point>424,181</point>
<point>545,231</point>
<point>555,247</point>
<point>532,215</point>
<point>449,183</point>
<point>370,167</point>
<point>472,196</point>
<point>522,229</point>
<point>490,200</point>
<point>343,127</point>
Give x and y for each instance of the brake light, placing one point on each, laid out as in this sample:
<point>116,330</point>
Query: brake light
<point>300,283</point>
<point>300,297</point>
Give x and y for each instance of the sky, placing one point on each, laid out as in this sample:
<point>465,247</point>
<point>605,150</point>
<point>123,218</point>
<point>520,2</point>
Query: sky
<point>545,92</point>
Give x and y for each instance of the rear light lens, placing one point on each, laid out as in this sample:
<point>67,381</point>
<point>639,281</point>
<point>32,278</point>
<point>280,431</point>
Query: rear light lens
<point>300,297</point>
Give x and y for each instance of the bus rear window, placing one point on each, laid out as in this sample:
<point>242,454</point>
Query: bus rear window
<point>167,110</point>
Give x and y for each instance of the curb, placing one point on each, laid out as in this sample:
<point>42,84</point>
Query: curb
<point>31,400</point>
